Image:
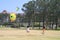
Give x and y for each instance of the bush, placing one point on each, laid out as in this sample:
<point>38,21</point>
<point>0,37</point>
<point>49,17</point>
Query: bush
<point>37,25</point>
<point>14,26</point>
<point>22,25</point>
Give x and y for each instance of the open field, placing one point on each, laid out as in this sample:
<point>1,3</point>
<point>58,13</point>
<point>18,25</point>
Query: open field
<point>17,34</point>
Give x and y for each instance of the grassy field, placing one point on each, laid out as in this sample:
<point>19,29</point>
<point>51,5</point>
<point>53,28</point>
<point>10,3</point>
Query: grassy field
<point>17,34</point>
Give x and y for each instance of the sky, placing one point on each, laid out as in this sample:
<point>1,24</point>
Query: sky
<point>10,5</point>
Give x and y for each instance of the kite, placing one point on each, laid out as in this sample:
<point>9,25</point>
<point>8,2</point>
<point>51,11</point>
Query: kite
<point>17,8</point>
<point>12,17</point>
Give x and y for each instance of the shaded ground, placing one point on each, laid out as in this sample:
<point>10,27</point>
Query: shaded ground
<point>16,34</point>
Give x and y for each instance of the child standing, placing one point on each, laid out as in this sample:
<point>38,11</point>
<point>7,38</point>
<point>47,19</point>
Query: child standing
<point>28,29</point>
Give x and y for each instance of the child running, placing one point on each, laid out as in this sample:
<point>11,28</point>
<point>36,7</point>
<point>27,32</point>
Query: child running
<point>43,30</point>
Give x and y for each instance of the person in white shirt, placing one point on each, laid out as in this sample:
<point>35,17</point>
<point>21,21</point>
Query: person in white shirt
<point>28,30</point>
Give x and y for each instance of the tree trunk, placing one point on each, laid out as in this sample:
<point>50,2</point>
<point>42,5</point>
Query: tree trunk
<point>39,24</point>
<point>56,27</point>
<point>56,23</point>
<point>52,26</point>
<point>43,21</point>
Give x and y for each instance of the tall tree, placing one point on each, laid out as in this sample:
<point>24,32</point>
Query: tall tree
<point>29,8</point>
<point>48,10</point>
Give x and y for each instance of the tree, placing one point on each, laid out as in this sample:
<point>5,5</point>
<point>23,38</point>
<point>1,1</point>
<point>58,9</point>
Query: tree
<point>46,9</point>
<point>29,8</point>
<point>49,7</point>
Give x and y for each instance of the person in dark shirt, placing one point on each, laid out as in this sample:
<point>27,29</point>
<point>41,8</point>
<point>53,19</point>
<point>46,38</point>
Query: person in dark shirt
<point>43,30</point>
